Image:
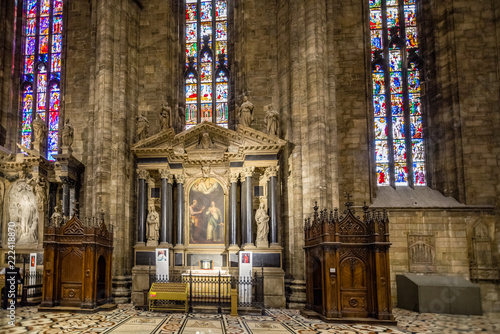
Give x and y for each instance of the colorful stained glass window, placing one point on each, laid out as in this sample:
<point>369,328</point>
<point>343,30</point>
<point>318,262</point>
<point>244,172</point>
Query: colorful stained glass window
<point>396,69</point>
<point>41,69</point>
<point>207,75</point>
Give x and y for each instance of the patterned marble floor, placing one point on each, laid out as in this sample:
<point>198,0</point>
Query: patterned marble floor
<point>125,319</point>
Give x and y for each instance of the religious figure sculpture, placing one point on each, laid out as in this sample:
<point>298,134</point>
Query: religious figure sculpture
<point>67,133</point>
<point>153,221</point>
<point>246,110</point>
<point>40,192</point>
<point>271,120</point>
<point>215,223</point>
<point>56,218</point>
<point>205,141</point>
<point>40,130</point>
<point>165,113</point>
<point>262,220</point>
<point>23,211</point>
<point>142,125</point>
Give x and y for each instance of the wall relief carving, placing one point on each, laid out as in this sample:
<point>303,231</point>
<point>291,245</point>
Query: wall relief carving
<point>23,211</point>
<point>421,253</point>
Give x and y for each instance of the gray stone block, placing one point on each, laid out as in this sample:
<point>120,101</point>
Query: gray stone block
<point>438,294</point>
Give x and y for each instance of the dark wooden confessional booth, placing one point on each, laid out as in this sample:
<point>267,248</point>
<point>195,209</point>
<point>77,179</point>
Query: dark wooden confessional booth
<point>77,270</point>
<point>347,265</point>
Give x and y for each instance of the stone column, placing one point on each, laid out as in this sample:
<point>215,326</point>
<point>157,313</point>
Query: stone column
<point>248,173</point>
<point>180,178</point>
<point>272,173</point>
<point>243,208</point>
<point>233,179</point>
<point>166,216</point>
<point>143,175</point>
<point>66,197</point>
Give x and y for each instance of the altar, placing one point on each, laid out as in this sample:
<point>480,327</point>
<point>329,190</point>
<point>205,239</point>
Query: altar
<point>206,194</point>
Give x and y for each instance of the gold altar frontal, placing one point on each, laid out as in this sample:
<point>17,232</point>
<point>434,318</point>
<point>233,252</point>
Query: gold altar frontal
<point>168,292</point>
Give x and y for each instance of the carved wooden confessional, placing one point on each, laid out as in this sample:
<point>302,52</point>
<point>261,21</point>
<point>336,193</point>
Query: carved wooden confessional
<point>77,269</point>
<point>347,265</point>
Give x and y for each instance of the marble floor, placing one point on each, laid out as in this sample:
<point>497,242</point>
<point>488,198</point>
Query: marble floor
<point>125,319</point>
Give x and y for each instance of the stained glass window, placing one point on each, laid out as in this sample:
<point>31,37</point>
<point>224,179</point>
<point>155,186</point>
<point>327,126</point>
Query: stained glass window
<point>396,66</point>
<point>41,69</point>
<point>206,76</point>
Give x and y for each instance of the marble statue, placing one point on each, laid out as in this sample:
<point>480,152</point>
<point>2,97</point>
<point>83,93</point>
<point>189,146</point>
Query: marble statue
<point>153,221</point>
<point>142,125</point>
<point>246,110</point>
<point>205,141</point>
<point>39,129</point>
<point>23,211</point>
<point>271,120</point>
<point>56,218</point>
<point>262,220</point>
<point>40,192</point>
<point>165,114</point>
<point>67,133</point>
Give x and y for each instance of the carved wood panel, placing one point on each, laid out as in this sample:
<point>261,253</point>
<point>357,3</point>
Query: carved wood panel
<point>353,287</point>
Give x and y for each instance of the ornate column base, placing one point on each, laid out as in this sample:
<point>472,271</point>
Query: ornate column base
<point>297,298</point>
<point>122,289</point>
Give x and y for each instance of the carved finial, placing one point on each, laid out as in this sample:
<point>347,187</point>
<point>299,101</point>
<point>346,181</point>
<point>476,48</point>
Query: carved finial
<point>348,204</point>
<point>222,59</point>
<point>206,40</point>
<point>75,208</point>
<point>365,207</point>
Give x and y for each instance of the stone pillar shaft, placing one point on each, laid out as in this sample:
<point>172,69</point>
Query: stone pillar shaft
<point>243,203</point>
<point>249,211</point>
<point>180,213</point>
<point>141,210</point>
<point>65,199</point>
<point>232,207</point>
<point>273,210</point>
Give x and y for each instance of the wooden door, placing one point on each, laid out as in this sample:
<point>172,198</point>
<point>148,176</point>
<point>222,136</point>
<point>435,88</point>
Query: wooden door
<point>353,288</point>
<point>71,279</point>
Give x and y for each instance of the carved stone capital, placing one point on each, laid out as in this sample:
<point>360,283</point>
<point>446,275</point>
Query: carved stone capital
<point>180,178</point>
<point>170,179</point>
<point>150,181</point>
<point>272,171</point>
<point>248,171</point>
<point>164,173</point>
<point>233,177</point>
<point>142,174</point>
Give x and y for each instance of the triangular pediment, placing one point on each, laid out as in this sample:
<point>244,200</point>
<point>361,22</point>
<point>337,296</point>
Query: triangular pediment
<point>208,140</point>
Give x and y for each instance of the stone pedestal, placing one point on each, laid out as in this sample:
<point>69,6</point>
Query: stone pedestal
<point>261,244</point>
<point>152,243</point>
<point>297,299</point>
<point>122,288</point>
<point>274,288</point>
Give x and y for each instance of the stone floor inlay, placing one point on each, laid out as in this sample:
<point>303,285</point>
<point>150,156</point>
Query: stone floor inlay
<point>125,319</point>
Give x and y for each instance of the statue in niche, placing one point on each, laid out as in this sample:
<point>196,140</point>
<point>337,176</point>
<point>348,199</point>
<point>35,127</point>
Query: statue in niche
<point>23,211</point>
<point>153,221</point>
<point>40,191</point>
<point>67,133</point>
<point>262,219</point>
<point>271,120</point>
<point>56,218</point>
<point>246,111</point>
<point>142,125</point>
<point>165,113</point>
<point>205,141</point>
<point>40,129</point>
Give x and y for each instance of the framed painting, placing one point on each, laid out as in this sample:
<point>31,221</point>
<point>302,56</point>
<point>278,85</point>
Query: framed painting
<point>206,212</point>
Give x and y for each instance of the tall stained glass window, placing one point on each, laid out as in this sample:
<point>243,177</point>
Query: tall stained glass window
<point>207,75</point>
<point>41,68</point>
<point>396,65</point>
